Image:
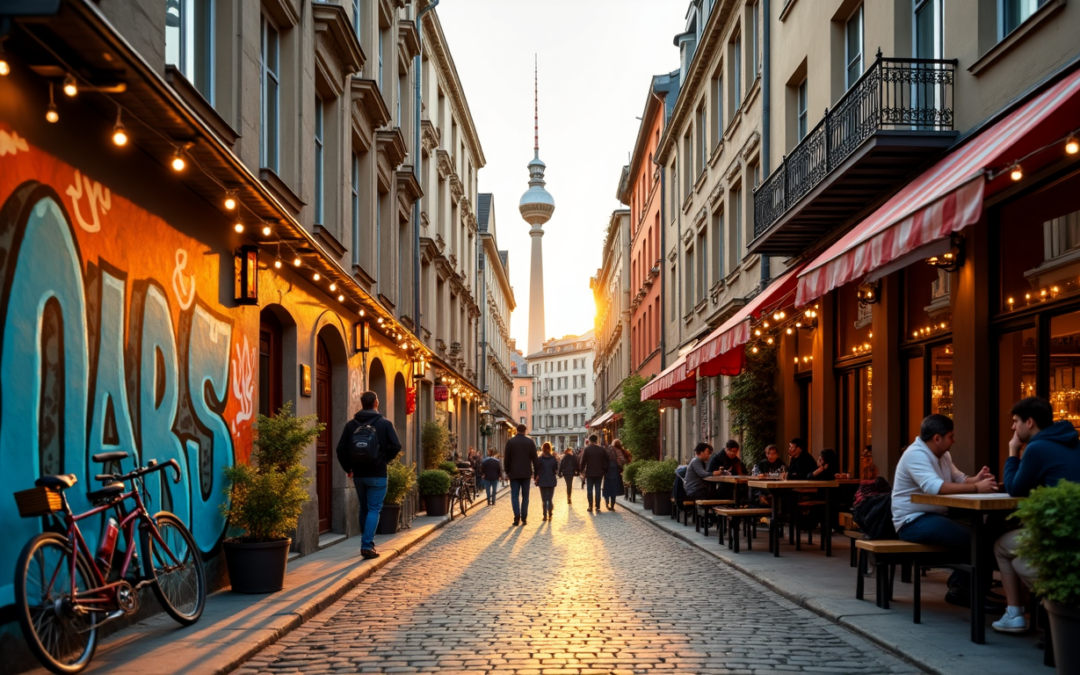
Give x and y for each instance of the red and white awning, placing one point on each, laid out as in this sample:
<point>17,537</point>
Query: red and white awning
<point>676,381</point>
<point>603,419</point>
<point>720,353</point>
<point>946,198</point>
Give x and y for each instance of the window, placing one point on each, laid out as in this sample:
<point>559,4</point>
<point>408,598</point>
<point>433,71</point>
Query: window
<point>356,17</point>
<point>701,138</point>
<point>718,246</point>
<point>672,309</point>
<point>928,29</point>
<point>702,271</point>
<point>380,59</point>
<point>853,47</point>
<point>189,39</point>
<point>690,287</point>
<point>270,95</point>
<point>354,203</point>
<point>736,89</point>
<point>740,240</point>
<point>754,16</point>
<point>521,420</point>
<point>1015,12</point>
<point>319,161</point>
<point>688,166</point>
<point>522,405</point>
<point>523,391</point>
<point>801,111</point>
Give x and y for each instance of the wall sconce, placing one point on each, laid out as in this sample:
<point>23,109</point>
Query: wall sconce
<point>361,336</point>
<point>246,269</point>
<point>869,292</point>
<point>951,260</point>
<point>419,369</point>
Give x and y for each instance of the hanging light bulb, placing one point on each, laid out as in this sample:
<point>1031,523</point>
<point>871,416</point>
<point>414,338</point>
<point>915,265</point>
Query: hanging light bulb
<point>4,67</point>
<point>380,321</point>
<point>230,200</point>
<point>239,226</point>
<point>296,262</point>
<point>178,163</point>
<point>266,230</point>
<point>1072,146</point>
<point>316,276</point>
<point>51,115</point>
<point>1017,173</point>
<point>341,297</point>
<point>333,287</point>
<point>119,135</point>
<point>70,88</point>
<point>361,312</point>
<point>277,264</point>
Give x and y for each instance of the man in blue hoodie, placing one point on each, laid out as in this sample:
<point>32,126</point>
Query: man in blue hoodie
<point>1051,453</point>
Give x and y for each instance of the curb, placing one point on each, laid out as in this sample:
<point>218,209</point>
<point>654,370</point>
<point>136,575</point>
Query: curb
<point>799,599</point>
<point>307,612</point>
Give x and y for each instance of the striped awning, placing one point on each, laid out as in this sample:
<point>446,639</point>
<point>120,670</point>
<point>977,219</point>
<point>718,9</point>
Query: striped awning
<point>676,381</point>
<point>949,196</point>
<point>599,421</point>
<point>720,353</point>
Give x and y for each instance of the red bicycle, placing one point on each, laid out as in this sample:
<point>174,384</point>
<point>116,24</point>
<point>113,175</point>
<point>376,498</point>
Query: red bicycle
<point>64,591</point>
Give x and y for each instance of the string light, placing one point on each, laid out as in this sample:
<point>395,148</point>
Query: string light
<point>316,276</point>
<point>119,135</point>
<point>333,287</point>
<point>51,115</point>
<point>178,163</point>
<point>266,230</point>
<point>238,226</point>
<point>230,200</point>
<point>4,67</point>
<point>296,262</point>
<point>1017,173</point>
<point>1072,146</point>
<point>380,321</point>
<point>361,312</point>
<point>341,297</point>
<point>277,264</point>
<point>70,88</point>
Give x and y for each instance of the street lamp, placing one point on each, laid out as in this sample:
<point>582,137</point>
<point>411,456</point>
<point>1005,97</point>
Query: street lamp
<point>419,368</point>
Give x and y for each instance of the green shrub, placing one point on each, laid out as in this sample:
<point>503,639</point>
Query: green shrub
<point>449,467</point>
<point>753,402</point>
<point>640,431</point>
<point>659,477</point>
<point>639,474</point>
<point>1050,541</point>
<point>265,497</point>
<point>400,479</point>
<point>630,471</point>
<point>433,439</point>
<point>434,482</point>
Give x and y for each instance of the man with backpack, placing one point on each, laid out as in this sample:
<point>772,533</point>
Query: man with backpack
<point>367,444</point>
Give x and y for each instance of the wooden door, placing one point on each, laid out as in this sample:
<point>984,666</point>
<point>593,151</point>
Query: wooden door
<point>324,445</point>
<point>270,392</point>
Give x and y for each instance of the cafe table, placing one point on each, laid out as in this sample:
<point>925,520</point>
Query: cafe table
<point>976,507</point>
<point>788,488</point>
<point>736,481</point>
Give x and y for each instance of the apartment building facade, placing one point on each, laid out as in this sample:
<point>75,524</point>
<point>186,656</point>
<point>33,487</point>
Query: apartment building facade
<point>563,393</point>
<point>611,293</point>
<point>496,301</point>
<point>522,400</point>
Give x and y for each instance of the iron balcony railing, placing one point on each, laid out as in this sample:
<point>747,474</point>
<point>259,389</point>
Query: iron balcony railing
<point>894,94</point>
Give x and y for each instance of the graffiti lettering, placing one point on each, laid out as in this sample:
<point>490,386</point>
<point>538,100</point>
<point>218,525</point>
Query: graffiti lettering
<point>243,379</point>
<point>185,295</point>
<point>12,143</point>
<point>99,199</point>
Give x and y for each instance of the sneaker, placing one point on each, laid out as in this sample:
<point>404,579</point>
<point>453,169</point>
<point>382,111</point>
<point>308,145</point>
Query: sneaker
<point>369,553</point>
<point>1010,624</point>
<point>516,521</point>
<point>524,522</point>
<point>590,508</point>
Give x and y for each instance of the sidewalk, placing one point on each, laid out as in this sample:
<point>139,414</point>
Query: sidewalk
<point>940,644</point>
<point>234,627</point>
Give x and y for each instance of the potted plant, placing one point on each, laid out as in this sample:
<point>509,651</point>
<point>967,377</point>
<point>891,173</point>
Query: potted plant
<point>657,480</point>
<point>400,480</point>
<point>1050,543</point>
<point>434,487</point>
<point>639,481</point>
<point>265,499</point>
<point>433,439</point>
<point>629,474</point>
<point>449,467</point>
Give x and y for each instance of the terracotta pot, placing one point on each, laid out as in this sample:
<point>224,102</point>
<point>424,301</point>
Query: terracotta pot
<point>388,519</point>
<point>257,567</point>
<point>435,505</point>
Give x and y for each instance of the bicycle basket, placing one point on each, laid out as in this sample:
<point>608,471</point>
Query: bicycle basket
<point>38,501</point>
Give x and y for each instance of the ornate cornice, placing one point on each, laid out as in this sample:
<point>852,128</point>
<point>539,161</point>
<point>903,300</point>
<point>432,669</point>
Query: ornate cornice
<point>429,135</point>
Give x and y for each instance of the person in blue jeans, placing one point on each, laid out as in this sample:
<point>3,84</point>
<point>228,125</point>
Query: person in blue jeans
<point>370,477</point>
<point>490,472</point>
<point>520,463</point>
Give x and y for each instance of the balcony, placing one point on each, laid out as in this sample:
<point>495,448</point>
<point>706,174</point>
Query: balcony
<point>897,116</point>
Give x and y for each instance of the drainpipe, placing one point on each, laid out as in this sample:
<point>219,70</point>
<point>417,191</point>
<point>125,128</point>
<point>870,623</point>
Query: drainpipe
<point>418,65</point>
<point>766,115</point>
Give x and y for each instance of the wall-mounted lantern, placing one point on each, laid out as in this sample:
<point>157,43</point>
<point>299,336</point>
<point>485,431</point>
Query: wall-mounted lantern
<point>362,336</point>
<point>246,269</point>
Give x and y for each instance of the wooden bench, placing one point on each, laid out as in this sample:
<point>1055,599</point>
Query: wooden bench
<point>853,536</point>
<point>682,508</point>
<point>891,552</point>
<point>701,512</point>
<point>733,518</point>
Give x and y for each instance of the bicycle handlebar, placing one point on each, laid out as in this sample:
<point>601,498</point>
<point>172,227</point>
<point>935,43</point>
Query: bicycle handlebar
<point>150,467</point>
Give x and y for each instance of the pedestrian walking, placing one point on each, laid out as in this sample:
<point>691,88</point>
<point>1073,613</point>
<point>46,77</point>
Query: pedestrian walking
<point>547,478</point>
<point>613,484</point>
<point>594,465</point>
<point>491,472</point>
<point>367,444</point>
<point>475,460</point>
<point>577,453</point>
<point>520,465</point>
<point>568,469</point>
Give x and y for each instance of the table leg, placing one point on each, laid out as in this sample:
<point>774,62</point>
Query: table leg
<point>978,614</point>
<point>774,525</point>
<point>792,502</point>
<point>826,531</point>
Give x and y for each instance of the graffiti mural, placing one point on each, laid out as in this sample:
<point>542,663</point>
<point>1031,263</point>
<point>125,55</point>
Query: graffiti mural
<point>107,343</point>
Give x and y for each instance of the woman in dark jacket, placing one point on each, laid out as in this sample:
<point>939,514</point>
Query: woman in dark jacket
<point>547,478</point>
<point>568,468</point>
<point>828,465</point>
<point>613,485</point>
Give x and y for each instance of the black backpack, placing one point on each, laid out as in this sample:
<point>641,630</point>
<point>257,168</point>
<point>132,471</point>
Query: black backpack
<point>873,515</point>
<point>364,449</point>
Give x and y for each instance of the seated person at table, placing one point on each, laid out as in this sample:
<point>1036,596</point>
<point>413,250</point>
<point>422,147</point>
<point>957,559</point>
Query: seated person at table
<point>926,468</point>
<point>696,487</point>
<point>727,460</point>
<point>801,463</point>
<point>1051,452</point>
<point>827,465</point>
<point>771,463</point>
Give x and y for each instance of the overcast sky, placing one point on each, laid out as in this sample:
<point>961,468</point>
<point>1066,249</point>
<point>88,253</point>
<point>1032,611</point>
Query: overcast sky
<point>596,59</point>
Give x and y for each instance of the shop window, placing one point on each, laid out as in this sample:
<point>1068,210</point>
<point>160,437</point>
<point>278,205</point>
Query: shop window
<point>1016,379</point>
<point>1065,367</point>
<point>1039,246</point>
<point>804,350</point>
<point>941,380</point>
<point>856,408</point>
<point>915,398</point>
<point>928,301</point>
<point>854,327</point>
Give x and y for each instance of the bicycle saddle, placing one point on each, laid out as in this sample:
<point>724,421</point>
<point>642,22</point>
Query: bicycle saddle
<point>105,492</point>
<point>109,456</point>
<point>57,482</point>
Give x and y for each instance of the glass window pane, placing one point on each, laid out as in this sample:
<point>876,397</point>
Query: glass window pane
<point>941,380</point>
<point>914,406</point>
<point>854,327</point>
<point>1064,364</point>
<point>928,296</point>
<point>1016,380</point>
<point>172,32</point>
<point>272,124</point>
<point>866,397</point>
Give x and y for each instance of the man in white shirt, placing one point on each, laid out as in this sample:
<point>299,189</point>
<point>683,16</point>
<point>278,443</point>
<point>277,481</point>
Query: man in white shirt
<point>927,468</point>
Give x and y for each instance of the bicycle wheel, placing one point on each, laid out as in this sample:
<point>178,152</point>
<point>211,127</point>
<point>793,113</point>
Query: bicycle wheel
<point>464,503</point>
<point>179,578</point>
<point>61,635</point>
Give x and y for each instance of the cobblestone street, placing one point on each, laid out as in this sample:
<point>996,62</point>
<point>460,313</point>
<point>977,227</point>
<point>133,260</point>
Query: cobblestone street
<point>585,593</point>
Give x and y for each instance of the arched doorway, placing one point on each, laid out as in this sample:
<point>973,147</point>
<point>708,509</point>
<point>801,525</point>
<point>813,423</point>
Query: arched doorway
<point>377,382</point>
<point>324,401</point>
<point>401,417</point>
<point>271,383</point>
